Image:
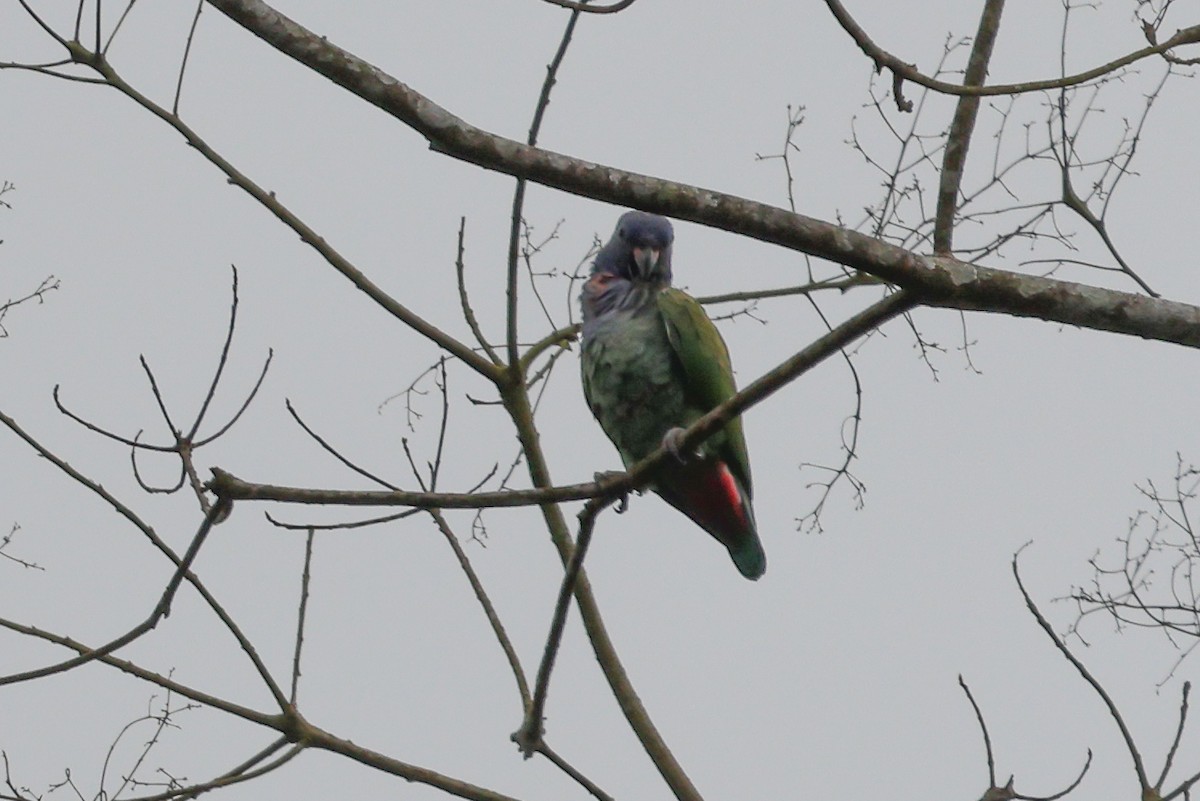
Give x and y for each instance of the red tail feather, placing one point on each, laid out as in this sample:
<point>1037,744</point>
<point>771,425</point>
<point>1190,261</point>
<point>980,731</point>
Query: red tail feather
<point>709,493</point>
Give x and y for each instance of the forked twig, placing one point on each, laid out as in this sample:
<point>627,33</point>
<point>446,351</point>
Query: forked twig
<point>529,735</point>
<point>242,773</point>
<point>161,610</point>
<point>161,546</point>
<point>185,444</point>
<point>1008,792</point>
<point>903,71</point>
<point>1134,754</point>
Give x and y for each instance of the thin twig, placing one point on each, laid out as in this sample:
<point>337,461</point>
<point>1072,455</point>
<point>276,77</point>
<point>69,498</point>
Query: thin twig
<point>133,443</point>
<point>1070,198</point>
<point>162,404</point>
<point>222,360</point>
<point>224,483</point>
<point>460,271</point>
<point>1138,767</point>
<point>302,613</point>
<point>620,5</point>
<point>124,665</point>
<point>1183,712</point>
<point>1070,788</point>
<point>569,769</point>
<point>187,51</point>
<point>268,200</point>
<point>48,284</point>
<point>161,610</point>
<point>242,773</point>
<point>436,467</point>
<point>905,71</point>
<point>214,515</point>
<point>464,563</point>
<point>6,540</point>
<point>374,521</point>
<point>529,736</point>
<point>518,203</point>
<point>120,21</point>
<point>42,24</point>
<point>162,722</point>
<point>838,283</point>
<point>334,452</point>
<point>185,445</point>
<point>849,449</point>
<point>292,725</point>
<point>489,609</point>
<point>987,740</point>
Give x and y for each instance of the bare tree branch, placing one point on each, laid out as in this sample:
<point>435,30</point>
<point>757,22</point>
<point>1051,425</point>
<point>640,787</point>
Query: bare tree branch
<point>302,614</point>
<point>226,485</point>
<point>529,735</point>
<point>285,215</point>
<point>468,312</point>
<point>518,202</point>
<point>161,610</point>
<point>290,723</point>
<point>963,126</point>
<point>217,512</point>
<point>48,284</point>
<point>621,5</point>
<point>937,281</point>
<point>1134,754</point>
<point>904,71</point>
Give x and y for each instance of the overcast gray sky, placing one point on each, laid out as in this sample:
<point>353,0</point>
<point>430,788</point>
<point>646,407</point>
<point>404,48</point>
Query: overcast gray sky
<point>836,673</point>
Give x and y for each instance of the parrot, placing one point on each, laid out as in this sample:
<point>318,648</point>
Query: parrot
<point>653,363</point>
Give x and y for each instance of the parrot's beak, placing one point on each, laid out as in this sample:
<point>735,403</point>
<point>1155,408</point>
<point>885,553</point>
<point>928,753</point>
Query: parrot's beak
<point>646,260</point>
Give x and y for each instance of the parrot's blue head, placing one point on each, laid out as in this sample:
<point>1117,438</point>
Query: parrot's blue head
<point>639,250</point>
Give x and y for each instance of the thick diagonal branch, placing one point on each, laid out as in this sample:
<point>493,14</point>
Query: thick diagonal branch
<point>938,281</point>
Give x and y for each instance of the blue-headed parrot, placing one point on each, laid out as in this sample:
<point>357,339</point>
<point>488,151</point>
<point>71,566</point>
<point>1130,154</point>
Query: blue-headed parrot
<point>653,364</point>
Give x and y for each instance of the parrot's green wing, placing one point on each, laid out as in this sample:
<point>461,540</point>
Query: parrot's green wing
<point>708,374</point>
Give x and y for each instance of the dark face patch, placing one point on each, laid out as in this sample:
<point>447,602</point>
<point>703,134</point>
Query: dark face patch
<point>637,236</point>
<point>641,230</point>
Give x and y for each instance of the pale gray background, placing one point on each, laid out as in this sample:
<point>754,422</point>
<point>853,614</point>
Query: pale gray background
<point>835,674</point>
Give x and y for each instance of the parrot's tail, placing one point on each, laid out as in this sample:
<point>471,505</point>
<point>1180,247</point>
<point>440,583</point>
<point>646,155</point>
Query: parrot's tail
<point>708,493</point>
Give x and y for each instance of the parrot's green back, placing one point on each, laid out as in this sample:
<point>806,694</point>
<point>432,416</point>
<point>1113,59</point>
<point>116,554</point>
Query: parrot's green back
<point>707,375</point>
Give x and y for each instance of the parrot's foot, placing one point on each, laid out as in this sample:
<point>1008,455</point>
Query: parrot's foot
<point>623,501</point>
<point>671,443</point>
